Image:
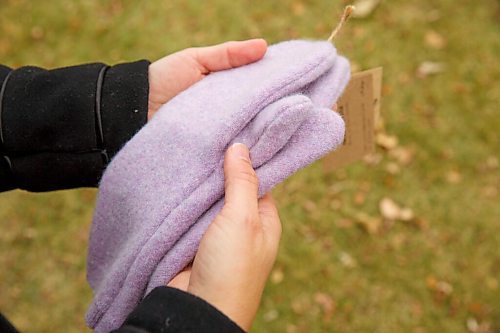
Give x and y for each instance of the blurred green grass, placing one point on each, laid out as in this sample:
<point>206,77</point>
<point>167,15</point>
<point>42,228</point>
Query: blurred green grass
<point>432,275</point>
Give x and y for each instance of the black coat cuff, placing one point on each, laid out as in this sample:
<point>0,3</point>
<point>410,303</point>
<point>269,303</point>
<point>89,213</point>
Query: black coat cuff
<point>61,127</point>
<point>171,310</point>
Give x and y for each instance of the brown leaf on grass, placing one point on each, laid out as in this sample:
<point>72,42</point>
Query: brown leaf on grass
<point>492,283</point>
<point>386,141</point>
<point>364,8</point>
<point>428,68</point>
<point>417,310</point>
<point>344,223</point>
<point>359,198</point>
<point>473,326</point>
<point>453,177</point>
<point>300,305</point>
<point>277,275</point>
<point>406,214</point>
<point>335,204</point>
<point>30,233</point>
<point>392,168</point>
<point>397,241</point>
<point>373,159</point>
<point>369,223</point>
<point>5,46</point>
<point>290,328</point>
<point>434,40</point>
<point>270,315</point>
<point>444,287</point>
<point>441,289</point>
<point>489,191</point>
<point>327,305</point>
<point>347,260</point>
<point>37,33</point>
<point>402,155</point>
<point>310,206</point>
<point>355,67</point>
<point>492,162</point>
<point>476,308</point>
<point>421,223</point>
<point>298,8</point>
<point>433,15</point>
<point>389,209</point>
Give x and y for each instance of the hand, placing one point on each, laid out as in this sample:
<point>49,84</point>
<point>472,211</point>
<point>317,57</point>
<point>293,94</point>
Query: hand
<point>238,250</point>
<point>174,73</point>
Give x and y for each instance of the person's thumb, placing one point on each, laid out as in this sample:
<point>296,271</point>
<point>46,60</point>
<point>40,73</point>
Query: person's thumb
<point>241,182</point>
<point>228,55</point>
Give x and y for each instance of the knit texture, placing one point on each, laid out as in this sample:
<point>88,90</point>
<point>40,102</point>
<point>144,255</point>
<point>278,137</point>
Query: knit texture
<point>165,186</point>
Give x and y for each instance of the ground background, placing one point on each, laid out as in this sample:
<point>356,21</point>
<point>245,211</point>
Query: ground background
<point>343,266</point>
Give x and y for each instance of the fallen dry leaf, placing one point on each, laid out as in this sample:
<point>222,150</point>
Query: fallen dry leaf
<point>406,214</point>
<point>326,303</point>
<point>453,177</point>
<point>310,206</point>
<point>489,191</point>
<point>403,155</point>
<point>386,141</point>
<point>444,287</point>
<point>492,283</point>
<point>492,162</point>
<point>364,8</point>
<point>355,67</point>
<point>347,260</point>
<point>421,223</point>
<point>434,40</point>
<point>37,33</point>
<point>372,159</point>
<point>397,241</point>
<point>344,223</point>
<point>392,168</point>
<point>277,276</point>
<point>298,8</point>
<point>473,326</point>
<point>428,68</point>
<point>359,198</point>
<point>335,204</point>
<point>389,209</point>
<point>369,223</point>
<point>433,15</point>
<point>300,305</point>
<point>270,315</point>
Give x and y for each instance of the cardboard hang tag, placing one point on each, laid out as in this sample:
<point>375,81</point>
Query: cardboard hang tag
<point>360,109</point>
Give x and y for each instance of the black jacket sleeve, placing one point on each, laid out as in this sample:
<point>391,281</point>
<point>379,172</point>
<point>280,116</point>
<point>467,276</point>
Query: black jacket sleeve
<point>59,128</point>
<point>170,310</point>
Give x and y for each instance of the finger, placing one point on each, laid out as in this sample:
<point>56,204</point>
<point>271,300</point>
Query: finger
<point>269,217</point>
<point>229,54</point>
<point>181,280</point>
<point>241,182</point>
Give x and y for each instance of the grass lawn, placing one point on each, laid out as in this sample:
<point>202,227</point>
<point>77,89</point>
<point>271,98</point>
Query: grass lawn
<point>342,266</point>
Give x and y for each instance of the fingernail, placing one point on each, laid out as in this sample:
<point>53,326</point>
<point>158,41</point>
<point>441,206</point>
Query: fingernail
<point>241,151</point>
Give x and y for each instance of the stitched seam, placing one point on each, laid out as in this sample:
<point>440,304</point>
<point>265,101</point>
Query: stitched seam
<point>98,119</point>
<point>2,142</point>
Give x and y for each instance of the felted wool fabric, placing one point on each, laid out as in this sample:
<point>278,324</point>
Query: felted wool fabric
<point>162,190</point>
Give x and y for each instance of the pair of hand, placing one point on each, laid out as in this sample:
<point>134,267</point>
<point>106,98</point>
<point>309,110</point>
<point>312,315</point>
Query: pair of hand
<point>239,248</point>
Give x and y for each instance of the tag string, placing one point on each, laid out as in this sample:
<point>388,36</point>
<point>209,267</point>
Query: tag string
<point>343,19</point>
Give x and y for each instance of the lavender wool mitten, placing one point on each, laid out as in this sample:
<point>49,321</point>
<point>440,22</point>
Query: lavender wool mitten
<point>161,191</point>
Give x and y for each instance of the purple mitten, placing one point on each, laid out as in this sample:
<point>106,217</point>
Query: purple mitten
<point>162,190</point>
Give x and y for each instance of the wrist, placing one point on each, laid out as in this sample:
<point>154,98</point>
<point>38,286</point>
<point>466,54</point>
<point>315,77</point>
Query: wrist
<point>241,309</point>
